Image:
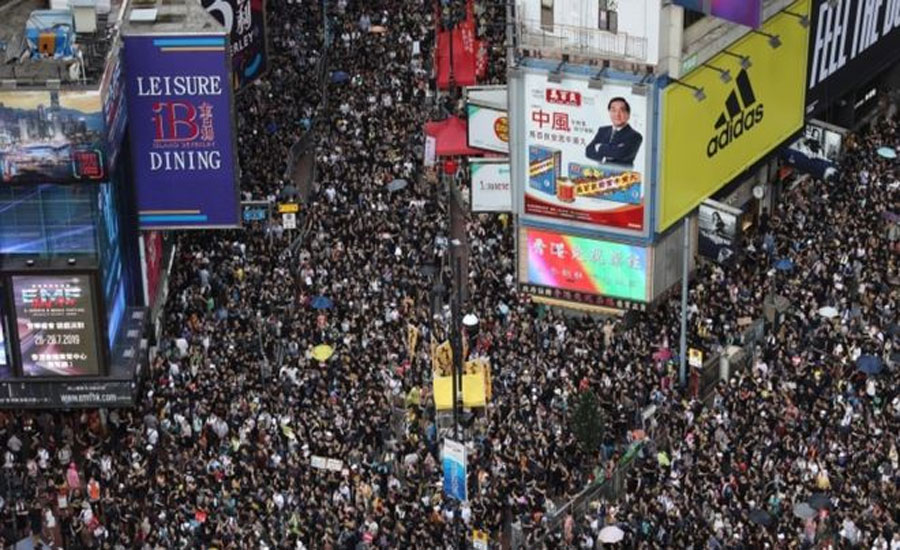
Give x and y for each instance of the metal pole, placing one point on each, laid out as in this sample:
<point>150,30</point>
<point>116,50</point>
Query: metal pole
<point>456,342</point>
<point>686,254</point>
<point>510,34</point>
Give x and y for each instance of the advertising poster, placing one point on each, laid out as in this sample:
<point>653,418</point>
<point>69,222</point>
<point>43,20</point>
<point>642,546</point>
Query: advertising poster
<point>453,457</point>
<point>586,154</point>
<point>245,22</point>
<point>736,123</point>
<point>491,187</point>
<point>51,136</point>
<point>182,131</point>
<point>56,325</point>
<point>850,42</point>
<point>488,128</point>
<point>742,12</point>
<point>584,266</point>
<point>719,231</point>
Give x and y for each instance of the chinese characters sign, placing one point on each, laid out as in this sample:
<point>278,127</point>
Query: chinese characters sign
<point>586,154</point>
<point>245,22</point>
<point>583,266</point>
<point>181,127</point>
<point>55,323</point>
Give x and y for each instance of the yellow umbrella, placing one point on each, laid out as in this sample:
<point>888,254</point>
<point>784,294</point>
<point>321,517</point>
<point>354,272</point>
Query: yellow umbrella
<point>322,352</point>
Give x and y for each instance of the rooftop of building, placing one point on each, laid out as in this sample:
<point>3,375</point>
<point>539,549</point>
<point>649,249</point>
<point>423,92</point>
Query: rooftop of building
<point>97,35</point>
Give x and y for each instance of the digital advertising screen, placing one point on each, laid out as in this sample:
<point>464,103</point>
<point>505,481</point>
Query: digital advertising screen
<point>51,136</point>
<point>583,265</point>
<point>585,153</point>
<point>56,320</point>
<point>181,123</point>
<point>491,190</point>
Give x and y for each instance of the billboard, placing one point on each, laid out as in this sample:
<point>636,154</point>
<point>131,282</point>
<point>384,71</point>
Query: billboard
<point>850,42</point>
<point>56,324</point>
<point>719,229</point>
<point>488,128</point>
<point>182,131</point>
<point>491,191</point>
<point>585,153</point>
<point>51,136</point>
<point>581,266</point>
<point>707,143</point>
<point>742,12</point>
<point>245,21</point>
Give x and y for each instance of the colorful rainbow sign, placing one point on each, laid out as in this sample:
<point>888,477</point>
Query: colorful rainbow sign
<point>586,265</point>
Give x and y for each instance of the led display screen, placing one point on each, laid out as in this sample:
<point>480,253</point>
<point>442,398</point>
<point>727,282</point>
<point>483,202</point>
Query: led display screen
<point>583,265</point>
<point>56,323</point>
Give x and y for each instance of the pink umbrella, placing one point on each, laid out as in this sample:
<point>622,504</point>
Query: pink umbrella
<point>72,477</point>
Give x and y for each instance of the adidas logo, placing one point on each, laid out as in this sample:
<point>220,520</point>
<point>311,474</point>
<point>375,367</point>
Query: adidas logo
<point>736,120</point>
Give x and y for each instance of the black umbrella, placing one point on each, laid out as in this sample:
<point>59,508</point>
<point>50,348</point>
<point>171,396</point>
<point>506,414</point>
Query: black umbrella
<point>820,501</point>
<point>760,517</point>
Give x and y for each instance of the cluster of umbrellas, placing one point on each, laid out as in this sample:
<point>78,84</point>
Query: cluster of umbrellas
<point>803,510</point>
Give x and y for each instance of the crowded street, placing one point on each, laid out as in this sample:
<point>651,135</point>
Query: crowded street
<point>239,401</point>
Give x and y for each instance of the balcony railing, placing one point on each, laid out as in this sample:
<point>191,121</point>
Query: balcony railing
<point>581,41</point>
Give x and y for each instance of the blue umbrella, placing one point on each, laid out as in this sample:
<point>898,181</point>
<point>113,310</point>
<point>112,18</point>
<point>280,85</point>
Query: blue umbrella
<point>784,264</point>
<point>339,77</point>
<point>321,302</point>
<point>869,364</point>
<point>887,152</point>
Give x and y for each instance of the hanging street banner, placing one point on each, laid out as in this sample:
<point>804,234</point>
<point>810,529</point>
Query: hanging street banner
<point>453,457</point>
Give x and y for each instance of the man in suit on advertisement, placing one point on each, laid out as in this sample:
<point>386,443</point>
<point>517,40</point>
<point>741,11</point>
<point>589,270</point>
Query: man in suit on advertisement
<point>617,143</point>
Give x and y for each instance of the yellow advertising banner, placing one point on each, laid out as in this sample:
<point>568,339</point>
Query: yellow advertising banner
<point>743,114</point>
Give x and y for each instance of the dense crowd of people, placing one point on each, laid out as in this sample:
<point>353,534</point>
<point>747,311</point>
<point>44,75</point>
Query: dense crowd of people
<point>804,425</point>
<point>219,452</point>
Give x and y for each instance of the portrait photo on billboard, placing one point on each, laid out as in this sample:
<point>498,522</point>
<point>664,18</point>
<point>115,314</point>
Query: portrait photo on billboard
<point>586,153</point>
<point>55,318</point>
<point>718,231</point>
<point>51,136</point>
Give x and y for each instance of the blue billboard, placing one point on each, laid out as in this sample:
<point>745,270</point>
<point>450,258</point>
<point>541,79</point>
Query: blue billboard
<point>181,124</point>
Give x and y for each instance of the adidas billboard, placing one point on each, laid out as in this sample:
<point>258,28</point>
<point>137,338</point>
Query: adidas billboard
<point>742,113</point>
<point>709,138</point>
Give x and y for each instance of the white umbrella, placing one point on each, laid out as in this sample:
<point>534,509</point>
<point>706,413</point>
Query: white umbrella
<point>611,534</point>
<point>828,312</point>
<point>803,510</point>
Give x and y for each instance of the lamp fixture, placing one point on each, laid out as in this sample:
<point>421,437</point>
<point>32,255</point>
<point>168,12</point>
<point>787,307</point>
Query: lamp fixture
<point>774,40</point>
<point>804,19</point>
<point>724,74</point>
<point>745,59</point>
<point>699,94</point>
